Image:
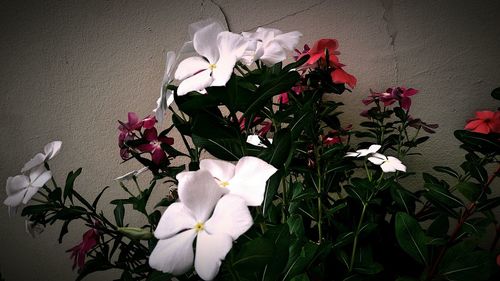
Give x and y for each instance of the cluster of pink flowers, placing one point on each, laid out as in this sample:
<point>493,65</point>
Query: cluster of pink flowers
<point>150,140</point>
<point>392,95</point>
<point>89,241</point>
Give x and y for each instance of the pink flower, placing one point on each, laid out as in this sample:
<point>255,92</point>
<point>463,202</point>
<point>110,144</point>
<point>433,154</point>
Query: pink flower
<point>334,136</point>
<point>283,98</point>
<point>301,53</point>
<point>154,145</point>
<point>78,252</point>
<point>485,122</point>
<point>266,127</point>
<point>392,95</point>
<point>127,131</point>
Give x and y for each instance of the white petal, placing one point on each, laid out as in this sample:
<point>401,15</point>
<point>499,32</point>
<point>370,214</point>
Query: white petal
<point>221,170</point>
<point>194,27</point>
<point>52,149</point>
<point>175,219</point>
<point>34,162</point>
<point>273,53</point>
<point>15,199</point>
<point>211,249</point>
<point>41,179</point>
<point>374,148</point>
<point>169,63</point>
<point>16,184</point>
<point>231,216</point>
<point>205,41</point>
<point>396,163</point>
<point>199,192</point>
<point>377,159</point>
<point>174,255</point>
<point>231,44</point>
<point>351,154</point>
<point>249,181</point>
<point>255,140</point>
<point>30,192</point>
<point>387,167</point>
<point>223,71</point>
<point>190,66</point>
<point>197,82</point>
<point>288,40</point>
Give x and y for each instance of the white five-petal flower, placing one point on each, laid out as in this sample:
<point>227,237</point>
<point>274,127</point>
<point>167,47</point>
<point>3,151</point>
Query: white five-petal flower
<point>21,188</point>
<point>387,163</point>
<point>219,51</point>
<point>269,45</point>
<point>364,152</point>
<point>166,95</point>
<point>50,150</point>
<point>201,213</point>
<point>246,179</point>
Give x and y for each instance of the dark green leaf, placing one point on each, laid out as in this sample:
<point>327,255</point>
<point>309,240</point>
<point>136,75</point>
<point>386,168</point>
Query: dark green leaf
<point>96,200</point>
<point>470,190</point>
<point>119,213</point>
<point>411,237</point>
<point>70,182</point>
<point>447,170</point>
<point>488,204</point>
<point>496,93</point>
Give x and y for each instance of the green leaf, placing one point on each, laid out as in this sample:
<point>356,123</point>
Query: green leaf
<point>488,204</point>
<point>301,277</point>
<point>496,94</point>
<point>361,189</point>
<point>300,259</point>
<point>440,194</point>
<point>404,199</point>
<point>272,186</point>
<point>96,200</point>
<point>439,227</point>
<point>93,265</point>
<point>411,237</point>
<point>484,143</point>
<point>119,213</point>
<point>158,276</point>
<point>470,190</point>
<point>296,225</point>
<point>447,170</point>
<point>462,263</point>
<point>476,171</point>
<point>64,230</point>
<point>70,182</point>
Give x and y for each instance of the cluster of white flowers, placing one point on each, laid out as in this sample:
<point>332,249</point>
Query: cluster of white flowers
<point>388,164</point>
<point>34,175</point>
<point>217,52</point>
<point>212,209</point>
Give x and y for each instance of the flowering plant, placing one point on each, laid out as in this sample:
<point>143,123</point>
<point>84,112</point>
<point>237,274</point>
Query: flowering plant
<point>287,191</point>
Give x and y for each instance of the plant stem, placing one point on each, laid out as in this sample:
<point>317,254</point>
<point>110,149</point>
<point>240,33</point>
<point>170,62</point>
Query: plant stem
<point>356,235</point>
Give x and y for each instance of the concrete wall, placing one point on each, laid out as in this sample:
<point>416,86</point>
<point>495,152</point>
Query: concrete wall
<point>70,69</point>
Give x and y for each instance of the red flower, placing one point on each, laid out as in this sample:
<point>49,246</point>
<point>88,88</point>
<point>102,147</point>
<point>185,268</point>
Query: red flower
<point>266,127</point>
<point>154,145</point>
<point>485,122</point>
<point>79,251</point>
<point>334,136</point>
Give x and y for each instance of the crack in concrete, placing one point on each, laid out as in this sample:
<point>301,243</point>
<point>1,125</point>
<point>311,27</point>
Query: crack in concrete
<point>392,32</point>
<point>288,15</point>
<point>224,15</point>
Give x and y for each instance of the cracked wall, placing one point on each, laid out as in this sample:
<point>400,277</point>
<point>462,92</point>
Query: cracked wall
<point>70,69</point>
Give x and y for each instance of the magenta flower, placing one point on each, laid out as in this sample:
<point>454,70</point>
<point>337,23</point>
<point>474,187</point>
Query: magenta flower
<point>266,127</point>
<point>127,131</point>
<point>392,95</point>
<point>154,145</point>
<point>78,252</point>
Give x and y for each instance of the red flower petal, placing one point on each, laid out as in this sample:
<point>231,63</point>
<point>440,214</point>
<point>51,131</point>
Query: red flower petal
<point>166,140</point>
<point>340,76</point>
<point>473,124</point>
<point>151,134</point>
<point>485,114</point>
<point>149,122</point>
<point>158,156</point>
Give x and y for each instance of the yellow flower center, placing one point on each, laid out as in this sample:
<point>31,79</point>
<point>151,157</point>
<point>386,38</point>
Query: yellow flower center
<point>199,226</point>
<point>223,184</point>
<point>212,66</point>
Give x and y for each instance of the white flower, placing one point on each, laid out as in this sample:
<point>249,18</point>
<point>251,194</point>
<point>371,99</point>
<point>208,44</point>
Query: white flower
<point>50,150</point>
<point>387,163</point>
<point>364,152</point>
<point>166,95</point>
<point>21,188</point>
<point>200,214</point>
<point>219,50</point>
<point>255,140</point>
<point>130,175</point>
<point>246,179</point>
<point>269,45</point>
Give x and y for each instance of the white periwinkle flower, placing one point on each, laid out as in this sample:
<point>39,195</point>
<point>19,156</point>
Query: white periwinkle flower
<point>364,152</point>
<point>219,51</point>
<point>50,150</point>
<point>255,140</point>
<point>130,175</point>
<point>21,188</point>
<point>246,179</point>
<point>166,96</point>
<point>269,45</point>
<point>387,163</point>
<point>215,222</point>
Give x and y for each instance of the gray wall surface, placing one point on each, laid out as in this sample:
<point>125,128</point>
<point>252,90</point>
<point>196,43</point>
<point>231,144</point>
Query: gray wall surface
<point>70,69</point>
